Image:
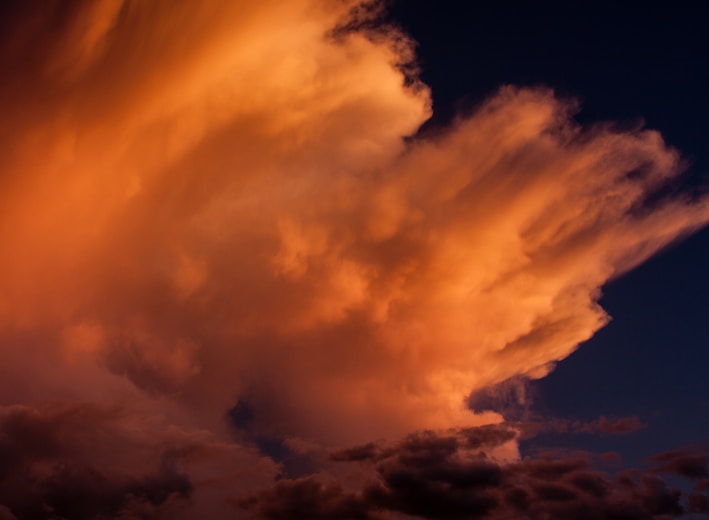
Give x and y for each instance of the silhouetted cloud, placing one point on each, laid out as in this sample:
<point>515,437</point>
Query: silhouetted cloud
<point>87,460</point>
<point>81,462</point>
<point>443,476</point>
<point>306,498</point>
<point>683,462</point>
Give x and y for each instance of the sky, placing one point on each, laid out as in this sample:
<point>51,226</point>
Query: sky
<point>317,259</point>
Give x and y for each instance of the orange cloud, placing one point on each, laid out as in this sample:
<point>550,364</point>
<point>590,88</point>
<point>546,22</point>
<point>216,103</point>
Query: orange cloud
<point>211,202</point>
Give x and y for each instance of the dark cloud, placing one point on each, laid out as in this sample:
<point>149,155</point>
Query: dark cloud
<point>619,426</point>
<point>306,498</point>
<point>509,398</point>
<point>703,484</point>
<point>78,461</point>
<point>698,503</point>
<point>683,462</point>
<point>446,476</point>
<point>432,445</point>
<point>72,491</point>
<point>610,457</point>
<point>368,451</point>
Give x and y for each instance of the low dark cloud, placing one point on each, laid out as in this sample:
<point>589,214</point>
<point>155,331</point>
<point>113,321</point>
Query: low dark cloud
<point>698,503</point>
<point>456,475</point>
<point>306,498</point>
<point>683,462</point>
<point>82,461</point>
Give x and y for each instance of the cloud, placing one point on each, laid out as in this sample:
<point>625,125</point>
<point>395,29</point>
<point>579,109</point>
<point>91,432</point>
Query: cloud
<point>618,426</point>
<point>306,498</point>
<point>683,462</point>
<point>509,398</point>
<point>211,203</point>
<point>280,242</point>
<point>88,460</point>
<point>442,475</point>
<point>84,461</point>
<point>603,426</point>
<point>513,397</point>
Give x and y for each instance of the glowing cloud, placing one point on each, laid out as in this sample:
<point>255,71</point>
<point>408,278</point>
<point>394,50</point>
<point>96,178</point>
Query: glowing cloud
<point>214,202</point>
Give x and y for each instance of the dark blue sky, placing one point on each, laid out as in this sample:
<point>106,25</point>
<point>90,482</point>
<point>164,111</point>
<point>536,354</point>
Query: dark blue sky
<point>624,65</point>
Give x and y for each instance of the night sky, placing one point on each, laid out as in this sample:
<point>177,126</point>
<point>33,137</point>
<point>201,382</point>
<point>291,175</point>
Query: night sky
<point>353,260</point>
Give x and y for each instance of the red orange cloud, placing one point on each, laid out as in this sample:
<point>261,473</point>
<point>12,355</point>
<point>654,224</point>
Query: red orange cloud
<point>214,202</point>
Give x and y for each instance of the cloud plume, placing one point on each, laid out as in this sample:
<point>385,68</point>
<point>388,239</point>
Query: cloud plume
<point>216,202</point>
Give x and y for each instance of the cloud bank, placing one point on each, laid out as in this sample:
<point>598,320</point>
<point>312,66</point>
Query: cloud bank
<point>212,203</point>
<point>451,476</point>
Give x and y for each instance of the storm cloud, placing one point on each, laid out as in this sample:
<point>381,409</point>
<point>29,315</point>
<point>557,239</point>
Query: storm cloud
<point>212,203</point>
<point>455,475</point>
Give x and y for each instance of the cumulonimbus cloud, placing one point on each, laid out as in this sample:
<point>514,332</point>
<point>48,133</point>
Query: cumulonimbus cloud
<point>210,203</point>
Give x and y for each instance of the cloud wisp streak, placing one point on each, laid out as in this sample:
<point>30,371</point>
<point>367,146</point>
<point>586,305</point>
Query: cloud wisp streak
<point>211,203</point>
